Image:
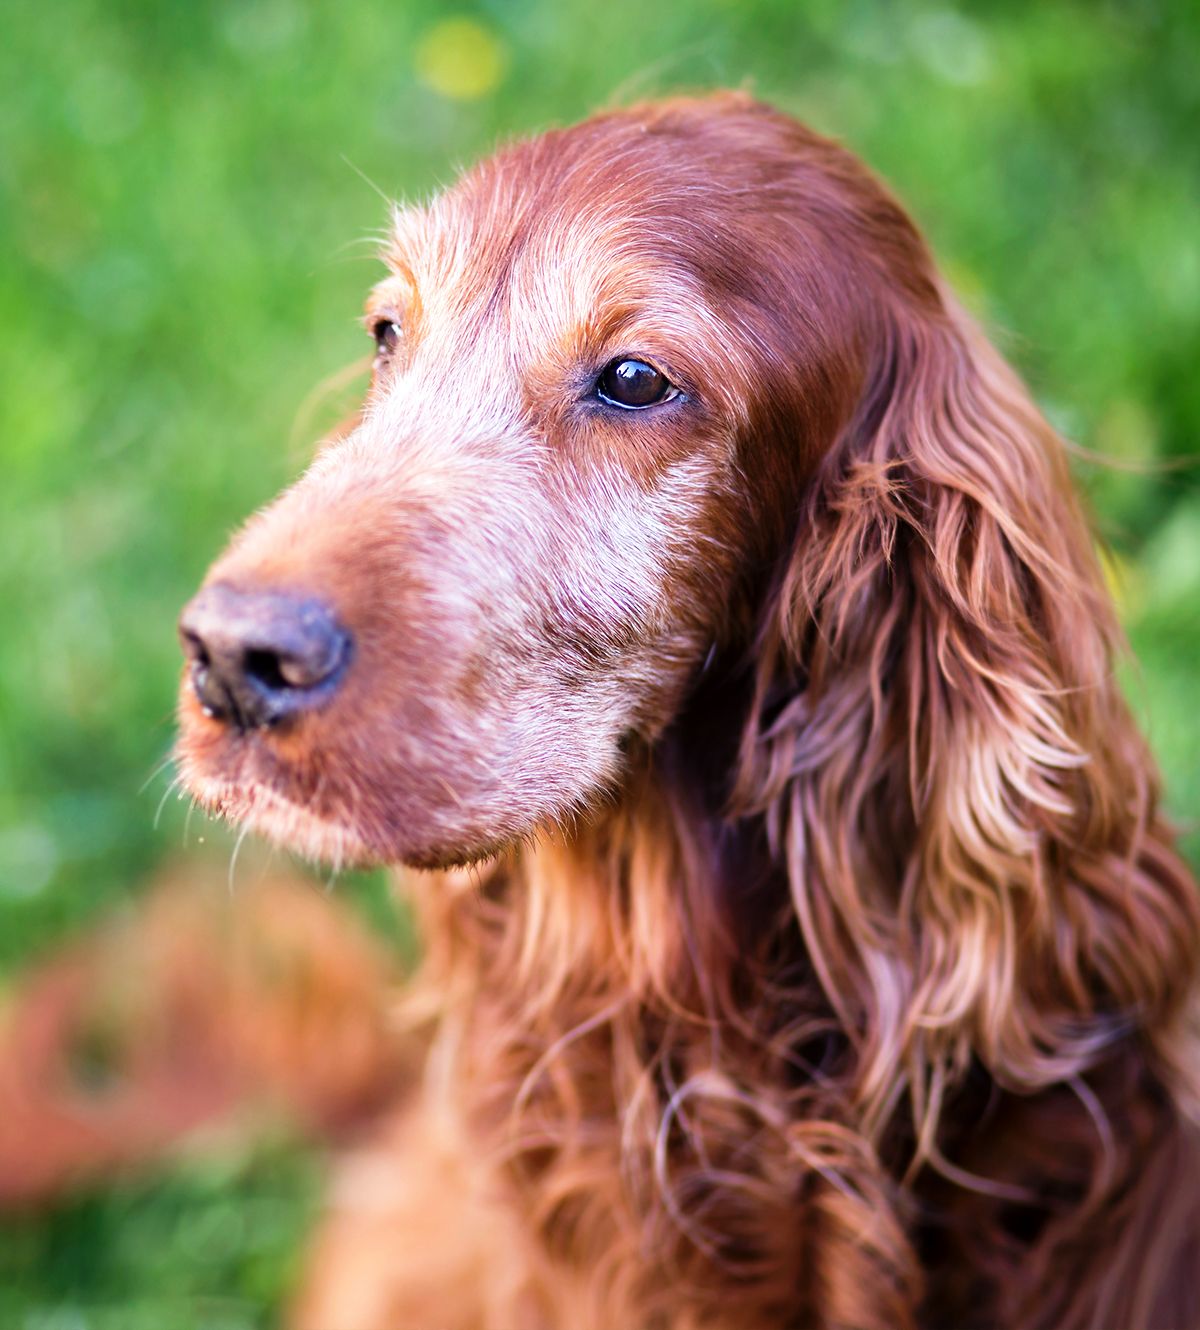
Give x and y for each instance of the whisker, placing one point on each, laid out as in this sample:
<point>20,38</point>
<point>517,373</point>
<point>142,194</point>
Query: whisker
<point>159,768</point>
<point>187,821</point>
<point>233,858</point>
<point>176,784</point>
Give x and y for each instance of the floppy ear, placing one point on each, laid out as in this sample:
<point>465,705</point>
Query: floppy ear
<point>942,751</point>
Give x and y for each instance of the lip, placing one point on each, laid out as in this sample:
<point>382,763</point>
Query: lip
<point>246,780</point>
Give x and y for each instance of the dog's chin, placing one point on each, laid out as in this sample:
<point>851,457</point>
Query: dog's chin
<point>332,835</point>
<point>248,781</point>
<point>268,813</point>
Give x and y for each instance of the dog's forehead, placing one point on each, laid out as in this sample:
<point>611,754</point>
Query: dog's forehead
<point>553,232</point>
<point>461,262</point>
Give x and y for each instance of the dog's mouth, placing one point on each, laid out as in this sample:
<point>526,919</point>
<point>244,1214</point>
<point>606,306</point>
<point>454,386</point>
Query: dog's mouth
<point>327,802</point>
<point>274,789</point>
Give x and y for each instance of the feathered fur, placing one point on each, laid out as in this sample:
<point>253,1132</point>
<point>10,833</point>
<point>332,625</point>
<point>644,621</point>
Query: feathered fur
<point>826,960</point>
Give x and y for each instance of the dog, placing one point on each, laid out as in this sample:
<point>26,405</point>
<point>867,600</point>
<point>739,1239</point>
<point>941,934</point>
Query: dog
<point>703,606</point>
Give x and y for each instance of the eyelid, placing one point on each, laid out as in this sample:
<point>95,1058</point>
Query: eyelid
<point>643,357</point>
<point>382,314</point>
<point>680,379</point>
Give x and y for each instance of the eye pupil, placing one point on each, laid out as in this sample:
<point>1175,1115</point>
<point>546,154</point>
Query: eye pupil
<point>632,383</point>
<point>386,333</point>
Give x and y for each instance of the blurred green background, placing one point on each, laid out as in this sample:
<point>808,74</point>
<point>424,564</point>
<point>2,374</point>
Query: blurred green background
<point>189,202</point>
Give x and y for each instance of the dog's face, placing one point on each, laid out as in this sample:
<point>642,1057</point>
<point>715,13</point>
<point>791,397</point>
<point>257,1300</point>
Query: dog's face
<point>445,634</point>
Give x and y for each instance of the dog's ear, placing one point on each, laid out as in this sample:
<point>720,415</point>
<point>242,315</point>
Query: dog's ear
<point>943,753</point>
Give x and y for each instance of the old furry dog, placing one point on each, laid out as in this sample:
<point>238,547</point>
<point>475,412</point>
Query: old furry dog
<point>704,606</point>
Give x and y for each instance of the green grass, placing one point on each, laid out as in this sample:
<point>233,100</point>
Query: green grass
<point>185,213</point>
<point>208,1248</point>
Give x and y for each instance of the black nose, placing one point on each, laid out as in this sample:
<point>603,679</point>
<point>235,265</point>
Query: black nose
<point>261,657</point>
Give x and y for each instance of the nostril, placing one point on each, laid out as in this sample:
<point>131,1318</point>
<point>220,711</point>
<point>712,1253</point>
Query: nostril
<point>267,669</point>
<point>258,658</point>
<point>304,664</point>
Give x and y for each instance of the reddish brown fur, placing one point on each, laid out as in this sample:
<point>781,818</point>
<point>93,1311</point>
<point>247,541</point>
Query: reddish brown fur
<point>828,960</point>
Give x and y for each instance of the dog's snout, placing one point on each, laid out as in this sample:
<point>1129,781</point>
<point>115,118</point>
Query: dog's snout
<point>261,657</point>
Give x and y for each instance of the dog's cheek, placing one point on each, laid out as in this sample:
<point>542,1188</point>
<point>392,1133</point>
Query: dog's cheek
<point>468,783</point>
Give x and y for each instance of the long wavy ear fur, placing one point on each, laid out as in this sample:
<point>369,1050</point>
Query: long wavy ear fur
<point>966,809</point>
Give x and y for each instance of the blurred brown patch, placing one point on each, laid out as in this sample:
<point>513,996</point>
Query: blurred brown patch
<point>200,1010</point>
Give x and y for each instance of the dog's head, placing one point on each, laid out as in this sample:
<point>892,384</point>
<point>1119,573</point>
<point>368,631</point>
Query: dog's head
<point>682,376</point>
<point>606,359</point>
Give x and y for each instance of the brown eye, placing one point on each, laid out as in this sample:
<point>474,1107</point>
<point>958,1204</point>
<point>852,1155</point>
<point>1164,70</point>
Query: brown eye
<point>386,333</point>
<point>633,384</point>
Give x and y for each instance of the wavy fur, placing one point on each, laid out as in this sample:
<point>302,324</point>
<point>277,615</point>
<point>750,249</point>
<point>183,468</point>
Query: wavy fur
<point>827,960</point>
